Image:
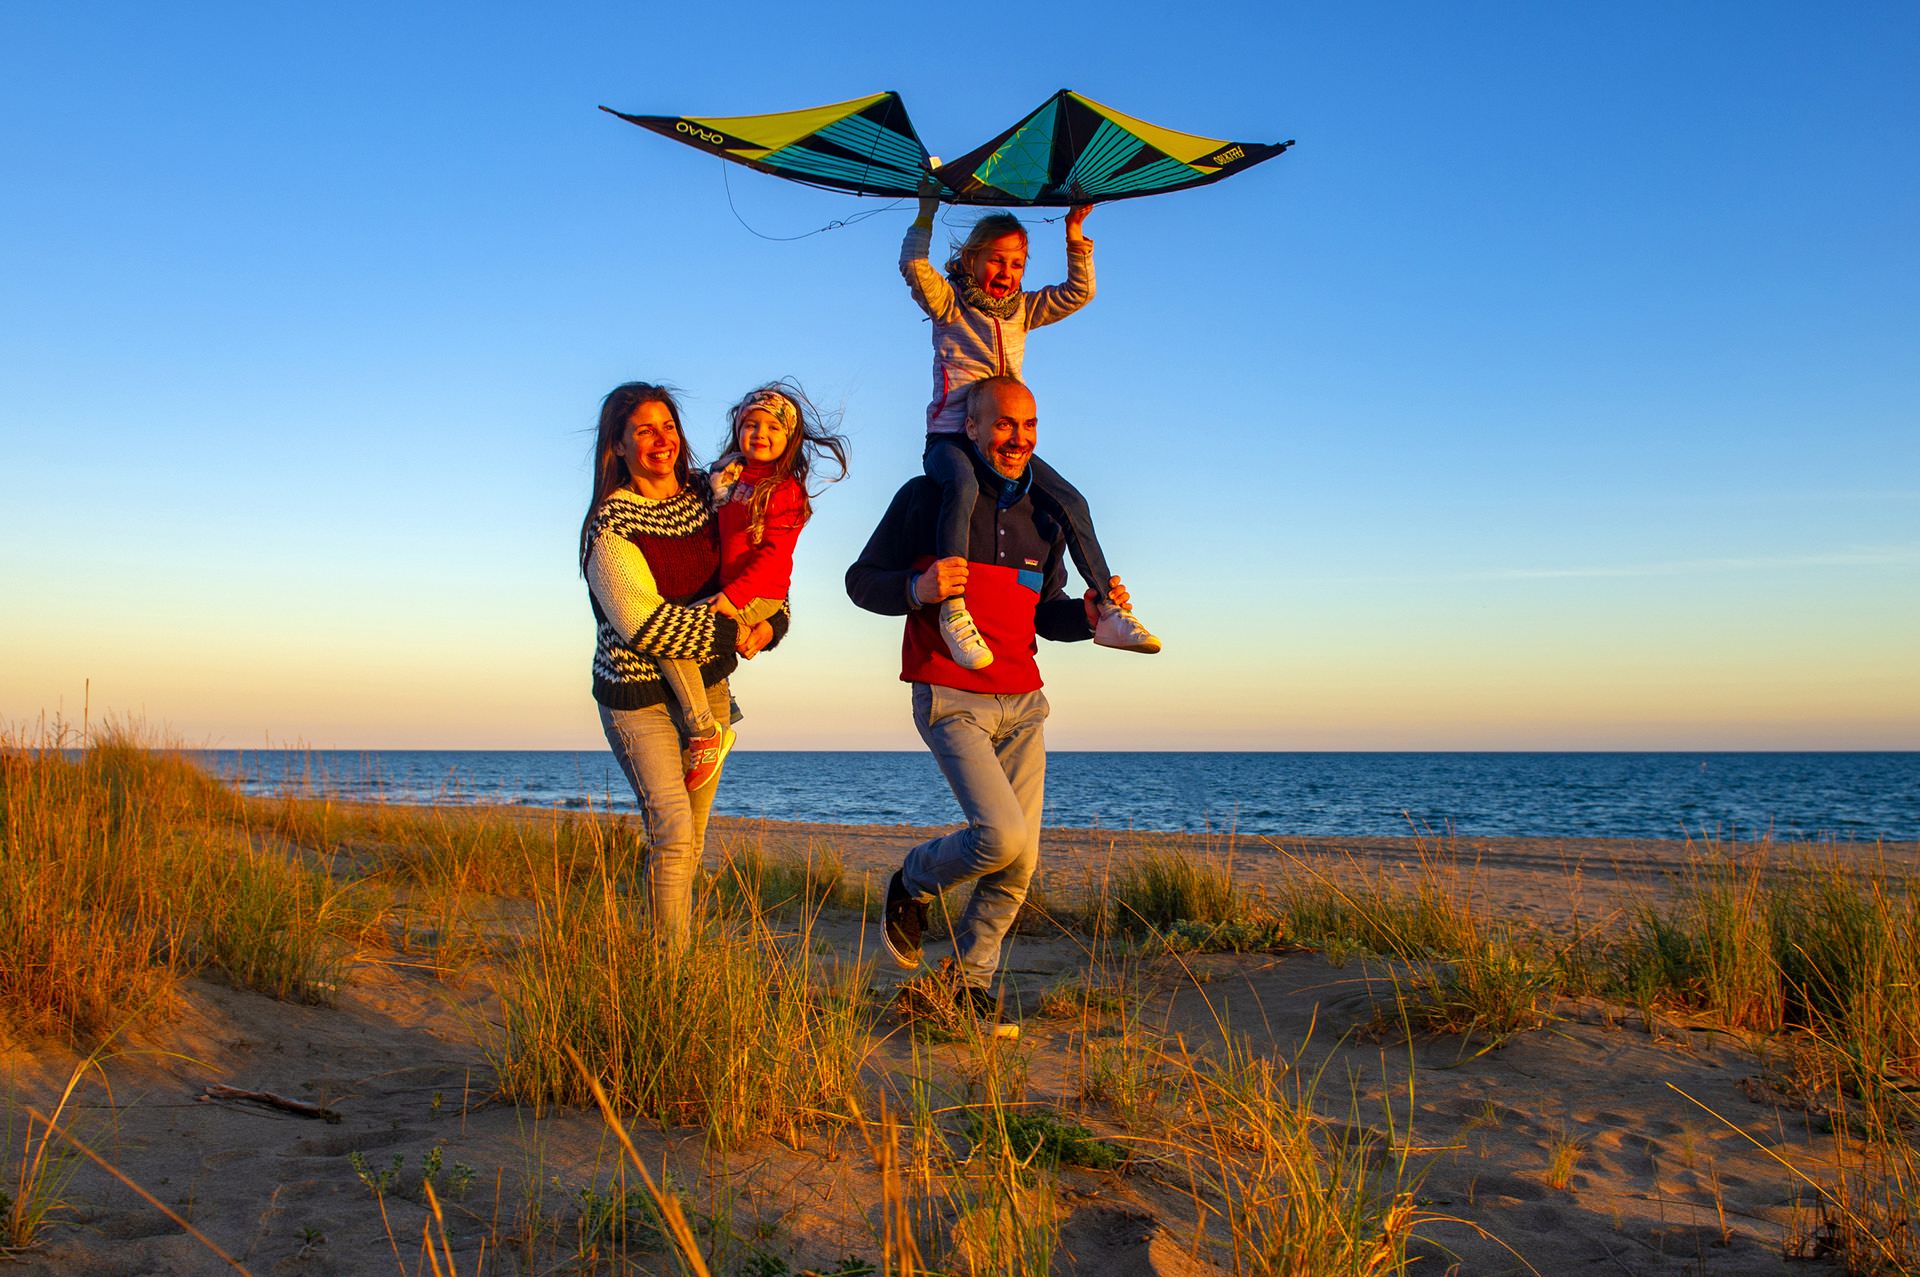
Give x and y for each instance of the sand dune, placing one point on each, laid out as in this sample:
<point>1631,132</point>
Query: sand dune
<point>1650,1120</point>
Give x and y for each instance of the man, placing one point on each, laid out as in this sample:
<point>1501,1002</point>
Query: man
<point>983,726</point>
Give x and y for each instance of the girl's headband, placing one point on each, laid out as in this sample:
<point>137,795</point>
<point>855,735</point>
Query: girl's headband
<point>771,402</point>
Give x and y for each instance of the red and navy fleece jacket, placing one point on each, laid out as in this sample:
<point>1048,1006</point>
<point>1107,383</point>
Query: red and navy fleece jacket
<point>1014,584</point>
<point>763,571</point>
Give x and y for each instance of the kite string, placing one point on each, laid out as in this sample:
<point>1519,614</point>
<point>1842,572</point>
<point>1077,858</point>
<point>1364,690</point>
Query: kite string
<point>834,225</point>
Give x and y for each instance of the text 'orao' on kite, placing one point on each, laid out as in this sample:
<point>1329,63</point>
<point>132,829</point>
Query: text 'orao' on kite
<point>1071,150</point>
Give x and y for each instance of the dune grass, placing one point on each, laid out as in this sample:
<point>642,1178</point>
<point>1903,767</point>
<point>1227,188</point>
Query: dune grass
<point>1815,954</point>
<point>746,1031</point>
<point>33,1193</point>
<point>1826,949</point>
<point>488,851</point>
<point>1298,1193</point>
<point>122,869</point>
<point>750,881</point>
<point>1158,888</point>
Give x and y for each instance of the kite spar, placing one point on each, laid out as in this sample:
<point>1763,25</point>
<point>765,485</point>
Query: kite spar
<point>1069,150</point>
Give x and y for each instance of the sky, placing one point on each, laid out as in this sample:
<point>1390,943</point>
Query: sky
<point>1558,390</point>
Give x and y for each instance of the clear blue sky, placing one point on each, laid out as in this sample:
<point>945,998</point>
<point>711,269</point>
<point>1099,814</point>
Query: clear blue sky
<point>1559,389</point>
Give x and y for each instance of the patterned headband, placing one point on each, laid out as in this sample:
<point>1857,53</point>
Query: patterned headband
<point>771,402</point>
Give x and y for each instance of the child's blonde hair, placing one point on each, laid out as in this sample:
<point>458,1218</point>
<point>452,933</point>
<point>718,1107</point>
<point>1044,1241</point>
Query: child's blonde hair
<point>811,440</point>
<point>984,232</point>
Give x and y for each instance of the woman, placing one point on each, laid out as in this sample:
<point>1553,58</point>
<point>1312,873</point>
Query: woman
<point>649,547</point>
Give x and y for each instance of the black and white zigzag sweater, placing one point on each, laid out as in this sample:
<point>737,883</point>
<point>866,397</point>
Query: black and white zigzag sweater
<point>647,560</point>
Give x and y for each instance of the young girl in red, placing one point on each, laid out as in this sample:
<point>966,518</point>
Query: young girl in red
<point>760,503</point>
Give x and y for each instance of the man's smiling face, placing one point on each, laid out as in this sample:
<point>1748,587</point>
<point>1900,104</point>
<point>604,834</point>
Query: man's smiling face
<point>1006,435</point>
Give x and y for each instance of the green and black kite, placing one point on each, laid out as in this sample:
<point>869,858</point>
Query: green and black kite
<point>1072,150</point>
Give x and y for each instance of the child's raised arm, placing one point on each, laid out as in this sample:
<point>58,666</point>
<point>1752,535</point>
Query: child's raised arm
<point>930,289</point>
<point>1076,221</point>
<point>1056,301</point>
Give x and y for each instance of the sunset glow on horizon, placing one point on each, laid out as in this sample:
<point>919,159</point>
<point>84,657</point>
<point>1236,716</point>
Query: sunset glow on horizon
<point>1558,390</point>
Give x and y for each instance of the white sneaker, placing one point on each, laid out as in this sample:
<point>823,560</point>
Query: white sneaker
<point>963,639</point>
<point>1124,631</point>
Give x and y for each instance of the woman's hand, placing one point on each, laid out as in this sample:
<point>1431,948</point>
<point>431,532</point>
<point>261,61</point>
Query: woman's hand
<point>721,605</point>
<point>752,639</point>
<point>1076,219</point>
<point>943,579</point>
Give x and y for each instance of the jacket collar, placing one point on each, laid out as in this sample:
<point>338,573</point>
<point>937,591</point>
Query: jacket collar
<point>1006,491</point>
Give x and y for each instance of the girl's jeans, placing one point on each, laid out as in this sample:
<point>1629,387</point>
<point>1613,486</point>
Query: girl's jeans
<point>646,743</point>
<point>682,678</point>
<point>948,461</point>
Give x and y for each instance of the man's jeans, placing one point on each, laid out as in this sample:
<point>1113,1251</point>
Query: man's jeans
<point>992,750</point>
<point>647,744</point>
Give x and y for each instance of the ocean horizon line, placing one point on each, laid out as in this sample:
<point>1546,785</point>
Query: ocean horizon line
<point>1544,793</point>
<point>1261,753</point>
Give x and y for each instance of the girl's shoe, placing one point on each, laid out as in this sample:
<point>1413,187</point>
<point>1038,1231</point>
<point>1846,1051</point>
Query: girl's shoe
<point>704,756</point>
<point>1124,631</point>
<point>963,637</point>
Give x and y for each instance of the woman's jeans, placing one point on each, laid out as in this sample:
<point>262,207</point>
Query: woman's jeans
<point>948,461</point>
<point>646,743</point>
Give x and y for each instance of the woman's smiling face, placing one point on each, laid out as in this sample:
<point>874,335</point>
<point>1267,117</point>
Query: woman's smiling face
<point>650,446</point>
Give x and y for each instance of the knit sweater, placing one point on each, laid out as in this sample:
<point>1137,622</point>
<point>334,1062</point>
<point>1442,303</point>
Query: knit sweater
<point>648,559</point>
<point>969,345</point>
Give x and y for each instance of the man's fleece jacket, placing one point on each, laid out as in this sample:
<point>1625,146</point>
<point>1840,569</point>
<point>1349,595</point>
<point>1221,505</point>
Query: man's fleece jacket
<point>1015,581</point>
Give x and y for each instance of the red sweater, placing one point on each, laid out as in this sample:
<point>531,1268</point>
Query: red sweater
<point>764,571</point>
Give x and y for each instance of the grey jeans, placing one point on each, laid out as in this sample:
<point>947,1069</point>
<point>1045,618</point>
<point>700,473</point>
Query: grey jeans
<point>646,743</point>
<point>992,750</point>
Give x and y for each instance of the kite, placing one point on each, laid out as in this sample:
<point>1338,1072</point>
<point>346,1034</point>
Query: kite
<point>1071,150</point>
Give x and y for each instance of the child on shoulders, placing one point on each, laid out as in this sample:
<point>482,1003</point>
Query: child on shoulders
<point>980,322</point>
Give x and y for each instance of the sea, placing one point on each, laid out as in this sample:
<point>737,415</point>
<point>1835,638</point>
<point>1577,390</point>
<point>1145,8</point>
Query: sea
<point>1732,796</point>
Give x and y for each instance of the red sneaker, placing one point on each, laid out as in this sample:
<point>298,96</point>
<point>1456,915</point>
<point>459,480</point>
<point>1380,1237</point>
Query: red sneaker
<point>704,757</point>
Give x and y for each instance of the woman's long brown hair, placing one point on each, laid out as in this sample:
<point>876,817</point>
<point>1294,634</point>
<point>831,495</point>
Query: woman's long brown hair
<point>609,469</point>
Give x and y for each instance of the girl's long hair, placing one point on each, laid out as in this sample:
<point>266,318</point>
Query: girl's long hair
<point>609,468</point>
<point>984,232</point>
<point>813,443</point>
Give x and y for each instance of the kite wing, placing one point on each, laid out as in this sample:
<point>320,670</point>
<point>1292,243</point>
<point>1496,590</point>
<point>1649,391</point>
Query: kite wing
<point>866,146</point>
<point>1072,150</point>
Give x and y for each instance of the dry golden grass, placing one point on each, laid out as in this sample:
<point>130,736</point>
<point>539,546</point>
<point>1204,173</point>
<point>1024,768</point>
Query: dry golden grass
<point>121,869</point>
<point>745,1031</point>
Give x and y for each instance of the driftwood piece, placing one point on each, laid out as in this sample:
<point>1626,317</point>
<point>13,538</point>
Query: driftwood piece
<point>299,1108</point>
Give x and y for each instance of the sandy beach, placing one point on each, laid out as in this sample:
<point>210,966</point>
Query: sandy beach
<point>1610,1139</point>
